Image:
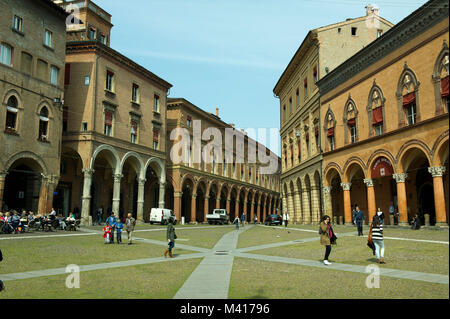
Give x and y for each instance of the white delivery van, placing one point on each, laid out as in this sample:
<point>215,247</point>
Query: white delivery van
<point>161,216</point>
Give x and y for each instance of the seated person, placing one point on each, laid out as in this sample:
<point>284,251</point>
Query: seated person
<point>61,221</point>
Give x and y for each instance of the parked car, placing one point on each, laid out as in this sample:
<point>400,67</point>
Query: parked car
<point>218,216</point>
<point>161,216</point>
<point>273,219</point>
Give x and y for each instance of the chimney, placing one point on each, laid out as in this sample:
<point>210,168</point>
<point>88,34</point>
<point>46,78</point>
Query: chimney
<point>217,111</point>
<point>232,125</point>
<point>371,10</point>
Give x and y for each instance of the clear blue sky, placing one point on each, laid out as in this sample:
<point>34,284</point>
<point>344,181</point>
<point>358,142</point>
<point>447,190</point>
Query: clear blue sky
<point>228,53</point>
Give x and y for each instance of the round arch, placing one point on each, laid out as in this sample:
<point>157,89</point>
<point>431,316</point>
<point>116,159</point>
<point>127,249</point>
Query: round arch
<point>116,160</point>
<point>349,168</point>
<point>159,167</point>
<point>404,157</point>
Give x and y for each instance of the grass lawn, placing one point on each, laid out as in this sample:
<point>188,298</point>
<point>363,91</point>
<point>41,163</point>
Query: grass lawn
<point>405,255</point>
<point>274,234</point>
<point>152,281</point>
<point>43,253</point>
<point>206,237</point>
<point>253,279</point>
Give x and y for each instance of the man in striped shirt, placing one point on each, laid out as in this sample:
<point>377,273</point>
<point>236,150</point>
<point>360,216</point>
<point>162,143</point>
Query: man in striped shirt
<point>377,237</point>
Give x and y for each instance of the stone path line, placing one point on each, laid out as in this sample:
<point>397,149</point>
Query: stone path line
<point>211,279</point>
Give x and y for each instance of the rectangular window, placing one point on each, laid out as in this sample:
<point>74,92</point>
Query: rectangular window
<point>315,74</point>
<point>353,134</point>
<point>290,105</point>
<point>378,129</point>
<point>135,93</point>
<point>92,33</point>
<point>156,103</point>
<point>156,139</point>
<point>87,80</point>
<point>134,132</point>
<point>84,127</point>
<point>339,30</point>
<point>110,81</point>
<point>189,121</point>
<point>42,69</point>
<point>305,85</point>
<point>48,41</point>
<point>297,94</point>
<point>54,72</point>
<point>11,116</point>
<point>18,23</point>
<point>379,33</point>
<point>103,38</point>
<point>108,123</point>
<point>5,54</point>
<point>354,30</point>
<point>331,141</point>
<point>26,63</point>
<point>411,113</point>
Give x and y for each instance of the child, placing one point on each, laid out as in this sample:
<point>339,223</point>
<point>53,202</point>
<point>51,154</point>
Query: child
<point>107,234</point>
<point>119,227</point>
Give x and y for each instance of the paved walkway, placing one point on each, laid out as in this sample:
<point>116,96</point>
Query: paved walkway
<point>204,283</point>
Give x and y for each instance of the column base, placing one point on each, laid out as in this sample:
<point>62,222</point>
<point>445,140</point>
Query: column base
<point>86,221</point>
<point>403,224</point>
<point>442,224</point>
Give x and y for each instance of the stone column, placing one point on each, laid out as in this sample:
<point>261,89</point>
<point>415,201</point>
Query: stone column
<point>252,211</point>
<point>306,217</point>
<point>206,211</point>
<point>86,199</point>
<point>264,210</point>
<point>401,198</point>
<point>2,186</point>
<point>218,203</point>
<point>371,202</point>
<point>315,203</point>
<point>245,208</point>
<point>236,209</point>
<point>140,200</point>
<point>296,215</point>
<point>177,205</point>
<point>284,203</point>
<point>193,209</point>
<point>162,194</point>
<point>347,202</point>
<point>290,204</point>
<point>116,194</point>
<point>439,198</point>
<point>228,206</point>
<point>52,183</point>
<point>43,196</point>
<point>327,202</point>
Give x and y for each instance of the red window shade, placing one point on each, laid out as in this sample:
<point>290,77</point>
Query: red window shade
<point>444,86</point>
<point>189,118</point>
<point>316,131</point>
<point>110,73</point>
<point>155,136</point>
<point>92,28</point>
<point>305,82</point>
<point>377,115</point>
<point>67,74</point>
<point>409,98</point>
<point>351,122</point>
<point>307,137</point>
<point>135,86</point>
<point>108,118</point>
<point>330,132</point>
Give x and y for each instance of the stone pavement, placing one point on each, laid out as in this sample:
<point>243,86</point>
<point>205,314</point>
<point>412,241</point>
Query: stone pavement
<point>205,283</point>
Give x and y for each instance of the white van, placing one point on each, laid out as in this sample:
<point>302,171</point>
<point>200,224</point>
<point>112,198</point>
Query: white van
<point>161,215</point>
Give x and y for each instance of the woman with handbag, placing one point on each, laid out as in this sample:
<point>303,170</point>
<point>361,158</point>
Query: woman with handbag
<point>377,237</point>
<point>171,236</point>
<point>327,237</point>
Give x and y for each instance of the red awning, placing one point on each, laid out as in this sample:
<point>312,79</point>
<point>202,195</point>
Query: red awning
<point>409,98</point>
<point>108,118</point>
<point>444,86</point>
<point>351,122</point>
<point>377,115</point>
<point>330,132</point>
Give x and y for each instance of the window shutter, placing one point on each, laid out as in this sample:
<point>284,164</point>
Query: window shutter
<point>377,116</point>
<point>108,118</point>
<point>330,132</point>
<point>409,98</point>
<point>351,122</point>
<point>444,87</point>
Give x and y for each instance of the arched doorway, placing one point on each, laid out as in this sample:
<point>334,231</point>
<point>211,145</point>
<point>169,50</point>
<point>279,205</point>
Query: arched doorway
<point>233,197</point>
<point>102,187</point>
<point>200,202</point>
<point>358,191</point>
<point>186,200</point>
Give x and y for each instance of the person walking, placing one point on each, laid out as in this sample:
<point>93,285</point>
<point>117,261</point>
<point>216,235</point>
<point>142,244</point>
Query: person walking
<point>119,227</point>
<point>111,220</point>
<point>327,237</point>
<point>107,233</point>
<point>171,236</point>
<point>359,218</point>
<point>285,219</point>
<point>377,237</point>
<point>236,222</point>
<point>243,220</point>
<point>130,223</point>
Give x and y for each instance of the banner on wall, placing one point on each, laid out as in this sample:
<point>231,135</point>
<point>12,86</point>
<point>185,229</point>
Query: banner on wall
<point>382,167</point>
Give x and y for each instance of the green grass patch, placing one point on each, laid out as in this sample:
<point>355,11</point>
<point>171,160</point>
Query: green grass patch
<point>22,255</point>
<point>205,237</point>
<point>152,281</point>
<point>404,255</point>
<point>254,279</point>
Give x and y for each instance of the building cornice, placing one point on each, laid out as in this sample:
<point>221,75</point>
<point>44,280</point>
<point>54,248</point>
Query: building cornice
<point>431,13</point>
<point>74,47</point>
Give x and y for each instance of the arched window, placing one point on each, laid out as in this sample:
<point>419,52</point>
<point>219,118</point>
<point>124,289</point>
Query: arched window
<point>441,79</point>
<point>375,111</point>
<point>350,119</point>
<point>11,114</point>
<point>43,124</point>
<point>408,98</point>
<point>329,125</point>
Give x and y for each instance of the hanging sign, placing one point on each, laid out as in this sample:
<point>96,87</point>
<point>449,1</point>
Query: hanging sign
<point>382,167</point>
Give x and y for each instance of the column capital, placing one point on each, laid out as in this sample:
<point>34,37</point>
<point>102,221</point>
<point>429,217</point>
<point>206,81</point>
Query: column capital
<point>327,189</point>
<point>437,171</point>
<point>177,194</point>
<point>346,186</point>
<point>88,171</point>
<point>206,198</point>
<point>368,182</point>
<point>162,184</point>
<point>117,178</point>
<point>3,174</point>
<point>400,178</point>
<point>141,181</point>
<point>194,196</point>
